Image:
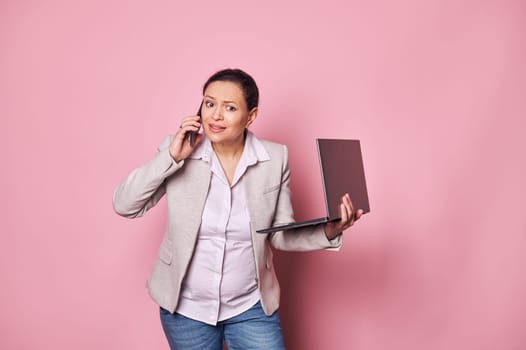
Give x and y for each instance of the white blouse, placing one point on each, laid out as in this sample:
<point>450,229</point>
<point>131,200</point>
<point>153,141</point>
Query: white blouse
<point>221,281</point>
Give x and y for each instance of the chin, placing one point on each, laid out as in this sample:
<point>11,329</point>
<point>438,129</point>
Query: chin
<point>229,135</point>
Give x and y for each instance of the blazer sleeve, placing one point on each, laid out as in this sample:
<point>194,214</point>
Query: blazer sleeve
<point>144,186</point>
<point>299,239</point>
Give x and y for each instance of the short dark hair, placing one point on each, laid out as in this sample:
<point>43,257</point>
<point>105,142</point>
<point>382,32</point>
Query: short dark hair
<point>243,79</point>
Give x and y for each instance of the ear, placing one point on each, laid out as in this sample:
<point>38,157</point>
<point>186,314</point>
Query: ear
<point>252,115</point>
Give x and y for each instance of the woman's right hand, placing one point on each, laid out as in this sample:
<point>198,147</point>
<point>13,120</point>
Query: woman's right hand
<point>180,147</point>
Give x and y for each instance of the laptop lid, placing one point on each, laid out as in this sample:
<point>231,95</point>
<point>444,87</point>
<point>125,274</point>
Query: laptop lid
<point>342,171</point>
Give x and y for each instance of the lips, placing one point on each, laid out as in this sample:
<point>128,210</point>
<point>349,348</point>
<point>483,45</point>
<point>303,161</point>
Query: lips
<point>216,128</point>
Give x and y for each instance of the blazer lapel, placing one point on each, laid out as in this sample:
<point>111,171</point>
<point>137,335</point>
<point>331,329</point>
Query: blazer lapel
<point>191,199</point>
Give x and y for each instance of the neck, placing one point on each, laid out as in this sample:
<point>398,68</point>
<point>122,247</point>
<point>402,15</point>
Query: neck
<point>230,149</point>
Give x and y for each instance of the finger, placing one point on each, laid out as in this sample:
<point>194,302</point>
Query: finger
<point>181,134</point>
<point>348,197</point>
<point>344,219</point>
<point>346,200</point>
<point>349,213</point>
<point>344,215</point>
<point>351,208</point>
<point>190,120</point>
<point>359,214</point>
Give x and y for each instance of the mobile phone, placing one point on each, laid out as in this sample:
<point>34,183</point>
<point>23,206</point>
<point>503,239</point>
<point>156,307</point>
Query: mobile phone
<point>193,134</point>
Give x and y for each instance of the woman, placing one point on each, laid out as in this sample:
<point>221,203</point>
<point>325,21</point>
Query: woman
<point>214,278</point>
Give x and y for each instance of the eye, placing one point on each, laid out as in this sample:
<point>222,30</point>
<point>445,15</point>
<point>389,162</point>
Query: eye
<point>230,108</point>
<point>209,104</point>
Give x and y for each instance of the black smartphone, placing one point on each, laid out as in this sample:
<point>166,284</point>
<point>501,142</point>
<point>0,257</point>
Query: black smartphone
<point>193,134</point>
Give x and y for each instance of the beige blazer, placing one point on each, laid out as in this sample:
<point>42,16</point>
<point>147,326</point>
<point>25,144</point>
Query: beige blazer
<point>186,186</point>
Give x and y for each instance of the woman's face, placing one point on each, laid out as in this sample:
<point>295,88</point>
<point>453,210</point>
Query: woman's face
<point>224,113</point>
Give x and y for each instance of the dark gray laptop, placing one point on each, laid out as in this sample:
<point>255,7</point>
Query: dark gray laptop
<point>342,171</point>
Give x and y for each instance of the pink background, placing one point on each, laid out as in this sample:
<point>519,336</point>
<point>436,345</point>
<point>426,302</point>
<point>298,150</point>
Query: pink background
<point>434,89</point>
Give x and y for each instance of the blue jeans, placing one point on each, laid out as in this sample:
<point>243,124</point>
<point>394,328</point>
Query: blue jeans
<point>251,330</point>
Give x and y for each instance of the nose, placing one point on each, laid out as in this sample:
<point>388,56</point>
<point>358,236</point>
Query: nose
<point>217,114</point>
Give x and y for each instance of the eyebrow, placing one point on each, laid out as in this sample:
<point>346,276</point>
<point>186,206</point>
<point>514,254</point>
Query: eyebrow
<point>226,101</point>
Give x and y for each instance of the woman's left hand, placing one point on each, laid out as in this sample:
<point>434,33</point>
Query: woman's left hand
<point>348,217</point>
